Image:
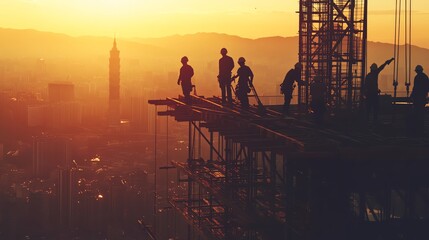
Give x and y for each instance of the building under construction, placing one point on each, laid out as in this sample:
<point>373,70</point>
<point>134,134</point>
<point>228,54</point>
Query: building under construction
<point>271,177</point>
<point>332,44</point>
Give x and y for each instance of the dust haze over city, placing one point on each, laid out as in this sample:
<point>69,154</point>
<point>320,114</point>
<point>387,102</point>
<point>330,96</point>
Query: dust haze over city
<point>99,138</point>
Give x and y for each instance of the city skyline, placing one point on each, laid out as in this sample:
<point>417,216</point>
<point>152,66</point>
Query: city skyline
<point>132,18</point>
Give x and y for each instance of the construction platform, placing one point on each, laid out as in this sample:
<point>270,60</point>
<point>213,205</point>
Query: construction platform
<point>267,176</point>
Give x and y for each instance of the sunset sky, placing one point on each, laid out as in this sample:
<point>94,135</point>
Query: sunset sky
<point>156,18</point>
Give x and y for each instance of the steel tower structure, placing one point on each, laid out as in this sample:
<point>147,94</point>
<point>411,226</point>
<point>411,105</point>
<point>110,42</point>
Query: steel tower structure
<point>332,44</point>
<point>114,86</point>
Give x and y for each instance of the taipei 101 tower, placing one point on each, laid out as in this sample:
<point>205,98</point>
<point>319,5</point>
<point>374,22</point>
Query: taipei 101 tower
<point>114,79</point>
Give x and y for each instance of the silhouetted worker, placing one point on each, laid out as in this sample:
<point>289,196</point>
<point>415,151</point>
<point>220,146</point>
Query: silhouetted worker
<point>245,81</point>
<point>287,87</point>
<point>186,73</point>
<point>418,97</point>
<point>371,89</point>
<point>226,64</point>
<point>317,92</point>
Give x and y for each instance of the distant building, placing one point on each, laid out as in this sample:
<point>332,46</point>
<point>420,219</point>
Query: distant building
<point>114,86</point>
<point>67,197</point>
<point>61,112</point>
<point>65,115</point>
<point>117,200</point>
<point>57,115</point>
<point>49,153</point>
<point>36,115</point>
<point>40,72</point>
<point>139,113</point>
<point>61,92</point>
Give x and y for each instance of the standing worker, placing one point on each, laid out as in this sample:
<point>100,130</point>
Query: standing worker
<point>418,97</point>
<point>288,86</point>
<point>245,81</point>
<point>186,73</point>
<point>226,64</point>
<point>371,89</point>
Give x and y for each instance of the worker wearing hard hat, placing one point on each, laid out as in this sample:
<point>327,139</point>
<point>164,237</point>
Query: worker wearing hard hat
<point>418,97</point>
<point>371,90</point>
<point>186,73</point>
<point>287,87</point>
<point>226,64</point>
<point>245,82</point>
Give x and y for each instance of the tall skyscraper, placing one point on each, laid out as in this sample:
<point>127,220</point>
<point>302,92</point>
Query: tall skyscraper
<point>114,79</point>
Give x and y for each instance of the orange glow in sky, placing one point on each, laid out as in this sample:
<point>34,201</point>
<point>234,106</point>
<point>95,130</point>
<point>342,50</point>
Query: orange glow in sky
<point>155,18</point>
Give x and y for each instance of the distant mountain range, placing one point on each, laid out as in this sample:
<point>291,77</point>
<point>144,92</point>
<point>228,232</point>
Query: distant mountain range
<point>274,55</point>
<point>16,43</point>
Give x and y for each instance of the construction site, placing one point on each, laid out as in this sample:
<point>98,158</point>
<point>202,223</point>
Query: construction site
<point>267,176</point>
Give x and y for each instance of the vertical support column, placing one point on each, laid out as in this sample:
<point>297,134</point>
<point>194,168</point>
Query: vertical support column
<point>190,142</point>
<point>265,175</point>
<point>333,69</point>
<point>189,206</point>
<point>211,207</point>
<point>211,146</point>
<point>351,59</point>
<point>250,177</point>
<point>273,172</point>
<point>255,176</point>
<point>189,178</point>
<point>199,141</point>
<point>290,194</point>
<point>364,49</point>
<point>220,145</point>
<point>228,189</point>
<point>228,157</point>
<point>154,174</point>
<point>200,199</point>
<point>306,34</point>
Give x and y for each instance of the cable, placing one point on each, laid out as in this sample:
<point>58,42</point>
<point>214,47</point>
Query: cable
<point>167,179</point>
<point>398,20</point>
<point>395,54</point>
<point>154,184</point>
<point>410,43</point>
<point>406,45</point>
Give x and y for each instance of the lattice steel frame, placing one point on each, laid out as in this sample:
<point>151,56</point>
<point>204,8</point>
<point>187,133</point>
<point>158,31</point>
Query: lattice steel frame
<point>259,182</point>
<point>332,44</point>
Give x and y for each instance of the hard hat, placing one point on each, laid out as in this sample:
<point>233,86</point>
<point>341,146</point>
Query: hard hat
<point>298,65</point>
<point>419,68</point>
<point>184,59</point>
<point>223,51</point>
<point>374,67</point>
<point>241,60</point>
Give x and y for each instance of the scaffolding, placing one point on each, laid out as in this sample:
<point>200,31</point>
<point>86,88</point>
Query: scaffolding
<point>266,177</point>
<point>332,45</point>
